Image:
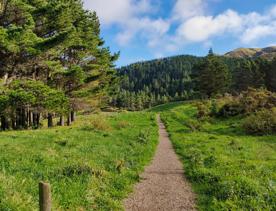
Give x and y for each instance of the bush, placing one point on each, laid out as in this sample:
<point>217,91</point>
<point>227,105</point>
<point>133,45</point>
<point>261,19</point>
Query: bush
<point>230,110</point>
<point>256,99</point>
<point>203,110</point>
<point>247,102</point>
<point>262,122</point>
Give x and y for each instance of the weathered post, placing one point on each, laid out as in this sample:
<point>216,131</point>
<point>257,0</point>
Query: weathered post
<point>45,201</point>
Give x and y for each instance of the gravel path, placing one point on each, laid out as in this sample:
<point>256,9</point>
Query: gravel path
<point>163,185</point>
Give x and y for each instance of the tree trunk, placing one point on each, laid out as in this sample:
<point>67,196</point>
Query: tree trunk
<point>13,122</point>
<point>50,120</point>
<point>3,123</point>
<point>24,118</point>
<point>7,124</point>
<point>36,118</point>
<point>61,120</point>
<point>17,119</point>
<point>69,122</point>
<point>30,118</point>
<point>73,116</point>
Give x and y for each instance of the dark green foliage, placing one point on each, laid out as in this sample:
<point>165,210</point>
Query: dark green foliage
<point>270,77</point>
<point>145,84</point>
<point>250,73</point>
<point>57,43</point>
<point>22,99</point>
<point>212,76</point>
<point>229,110</point>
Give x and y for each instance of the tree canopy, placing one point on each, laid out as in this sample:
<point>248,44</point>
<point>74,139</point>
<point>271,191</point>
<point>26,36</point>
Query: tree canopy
<point>56,43</point>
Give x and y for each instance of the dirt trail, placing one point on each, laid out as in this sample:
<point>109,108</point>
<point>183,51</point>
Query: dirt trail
<point>163,185</point>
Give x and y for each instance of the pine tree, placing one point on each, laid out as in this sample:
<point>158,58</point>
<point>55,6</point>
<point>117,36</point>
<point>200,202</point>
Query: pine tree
<point>214,76</point>
<point>270,76</point>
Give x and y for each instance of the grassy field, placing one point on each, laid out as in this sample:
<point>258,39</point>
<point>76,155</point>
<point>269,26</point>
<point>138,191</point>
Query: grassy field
<point>90,166</point>
<point>228,169</point>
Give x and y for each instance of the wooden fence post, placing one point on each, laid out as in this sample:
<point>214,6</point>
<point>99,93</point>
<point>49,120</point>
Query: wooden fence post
<point>45,201</point>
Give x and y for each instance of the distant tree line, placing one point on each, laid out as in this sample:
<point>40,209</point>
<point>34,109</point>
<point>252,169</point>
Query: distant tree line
<point>51,56</point>
<point>146,84</point>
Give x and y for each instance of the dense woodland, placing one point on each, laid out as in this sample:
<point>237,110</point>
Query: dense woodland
<point>146,84</point>
<point>52,61</point>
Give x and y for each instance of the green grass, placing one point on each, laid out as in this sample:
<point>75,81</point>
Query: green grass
<point>90,166</point>
<point>228,169</point>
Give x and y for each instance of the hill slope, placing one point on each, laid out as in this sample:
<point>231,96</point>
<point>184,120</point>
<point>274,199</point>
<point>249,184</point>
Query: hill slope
<point>267,53</point>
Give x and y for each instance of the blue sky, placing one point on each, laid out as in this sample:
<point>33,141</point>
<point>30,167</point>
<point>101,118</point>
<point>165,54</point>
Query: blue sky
<point>148,29</point>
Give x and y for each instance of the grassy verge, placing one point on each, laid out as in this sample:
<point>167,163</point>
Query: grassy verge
<point>91,165</point>
<point>228,169</point>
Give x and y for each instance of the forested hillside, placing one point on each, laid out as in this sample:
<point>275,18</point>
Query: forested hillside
<point>150,83</point>
<point>51,57</point>
<point>146,84</point>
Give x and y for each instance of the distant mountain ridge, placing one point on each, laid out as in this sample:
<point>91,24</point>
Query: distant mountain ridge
<point>266,53</point>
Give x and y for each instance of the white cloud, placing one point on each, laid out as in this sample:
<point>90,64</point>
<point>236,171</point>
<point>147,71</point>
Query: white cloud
<point>247,28</point>
<point>272,11</point>
<point>260,31</point>
<point>201,28</point>
<point>118,11</point>
<point>131,17</point>
<point>150,29</point>
<point>184,9</point>
<point>192,19</point>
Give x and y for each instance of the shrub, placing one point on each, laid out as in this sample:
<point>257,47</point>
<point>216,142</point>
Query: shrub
<point>247,102</point>
<point>229,110</point>
<point>203,110</point>
<point>262,122</point>
<point>256,99</point>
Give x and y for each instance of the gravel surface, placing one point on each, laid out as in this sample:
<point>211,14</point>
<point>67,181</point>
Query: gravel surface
<point>163,185</point>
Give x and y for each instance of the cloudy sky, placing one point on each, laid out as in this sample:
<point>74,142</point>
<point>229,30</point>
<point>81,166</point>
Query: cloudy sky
<point>147,29</point>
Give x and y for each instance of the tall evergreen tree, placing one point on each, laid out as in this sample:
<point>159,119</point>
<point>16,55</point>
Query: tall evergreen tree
<point>270,76</point>
<point>213,76</point>
<point>58,43</point>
